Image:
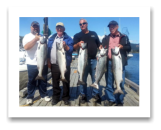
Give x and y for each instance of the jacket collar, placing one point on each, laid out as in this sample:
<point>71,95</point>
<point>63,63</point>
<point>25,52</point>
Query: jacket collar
<point>54,35</point>
<point>121,35</point>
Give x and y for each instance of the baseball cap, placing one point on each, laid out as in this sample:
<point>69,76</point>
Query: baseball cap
<point>112,23</point>
<point>35,23</point>
<point>60,24</point>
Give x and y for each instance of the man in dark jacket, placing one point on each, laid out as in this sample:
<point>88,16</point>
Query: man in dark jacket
<point>115,38</point>
<point>92,40</point>
<point>53,63</point>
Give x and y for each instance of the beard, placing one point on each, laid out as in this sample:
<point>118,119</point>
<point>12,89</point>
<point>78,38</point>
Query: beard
<point>35,32</point>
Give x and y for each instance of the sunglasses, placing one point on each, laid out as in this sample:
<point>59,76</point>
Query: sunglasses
<point>82,23</point>
<point>113,26</point>
<point>59,27</point>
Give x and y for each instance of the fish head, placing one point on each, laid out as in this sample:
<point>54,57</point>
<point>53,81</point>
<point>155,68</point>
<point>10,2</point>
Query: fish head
<point>103,51</point>
<point>115,51</point>
<point>59,45</point>
<point>84,45</point>
<point>43,40</point>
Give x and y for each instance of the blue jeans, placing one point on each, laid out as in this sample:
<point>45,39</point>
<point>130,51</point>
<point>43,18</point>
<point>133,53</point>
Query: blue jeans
<point>118,98</point>
<point>31,87</point>
<point>90,69</point>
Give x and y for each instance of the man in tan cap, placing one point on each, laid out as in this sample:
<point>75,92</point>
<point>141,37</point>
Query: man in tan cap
<point>53,64</point>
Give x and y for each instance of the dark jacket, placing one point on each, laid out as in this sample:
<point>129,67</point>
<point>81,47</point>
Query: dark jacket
<point>124,41</point>
<point>69,42</point>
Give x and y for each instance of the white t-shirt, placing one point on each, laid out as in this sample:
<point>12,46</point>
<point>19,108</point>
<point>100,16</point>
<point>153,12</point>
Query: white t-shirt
<point>31,54</point>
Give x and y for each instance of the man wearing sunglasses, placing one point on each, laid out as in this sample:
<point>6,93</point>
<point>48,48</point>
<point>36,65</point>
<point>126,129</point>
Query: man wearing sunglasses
<point>30,43</point>
<point>53,63</point>
<point>115,38</point>
<point>92,40</point>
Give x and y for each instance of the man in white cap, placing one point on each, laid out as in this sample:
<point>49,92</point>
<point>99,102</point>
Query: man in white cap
<point>53,64</point>
<point>30,43</point>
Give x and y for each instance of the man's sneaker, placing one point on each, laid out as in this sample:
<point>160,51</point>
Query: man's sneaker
<point>29,101</point>
<point>82,99</point>
<point>112,103</point>
<point>47,98</point>
<point>120,104</point>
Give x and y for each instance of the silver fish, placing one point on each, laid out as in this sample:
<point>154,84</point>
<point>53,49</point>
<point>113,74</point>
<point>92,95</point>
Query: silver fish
<point>41,57</point>
<point>100,67</point>
<point>117,69</point>
<point>61,58</point>
<point>82,62</point>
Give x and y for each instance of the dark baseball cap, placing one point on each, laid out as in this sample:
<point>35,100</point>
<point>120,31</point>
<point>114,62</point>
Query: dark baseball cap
<point>35,23</point>
<point>112,23</point>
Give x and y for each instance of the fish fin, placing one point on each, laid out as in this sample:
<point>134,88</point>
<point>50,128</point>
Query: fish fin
<point>118,91</point>
<point>95,85</point>
<point>63,80</point>
<point>81,83</point>
<point>39,77</point>
<point>115,92</point>
<point>119,56</point>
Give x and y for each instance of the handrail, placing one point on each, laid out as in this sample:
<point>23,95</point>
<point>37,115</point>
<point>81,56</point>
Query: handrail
<point>132,84</point>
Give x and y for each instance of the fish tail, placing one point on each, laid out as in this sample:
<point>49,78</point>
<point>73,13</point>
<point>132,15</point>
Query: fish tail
<point>95,85</point>
<point>80,82</point>
<point>118,91</point>
<point>64,80</point>
<point>39,77</point>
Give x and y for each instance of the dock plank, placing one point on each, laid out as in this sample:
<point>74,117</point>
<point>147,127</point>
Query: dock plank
<point>130,99</point>
<point>131,92</point>
<point>48,104</point>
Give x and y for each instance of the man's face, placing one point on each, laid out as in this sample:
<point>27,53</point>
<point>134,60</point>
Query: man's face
<point>83,25</point>
<point>113,28</point>
<point>35,29</point>
<point>60,30</point>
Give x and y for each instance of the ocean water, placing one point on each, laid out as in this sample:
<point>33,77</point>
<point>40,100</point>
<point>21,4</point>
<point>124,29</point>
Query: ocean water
<point>132,69</point>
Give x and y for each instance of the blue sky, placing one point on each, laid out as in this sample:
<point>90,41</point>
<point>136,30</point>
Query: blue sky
<point>97,24</point>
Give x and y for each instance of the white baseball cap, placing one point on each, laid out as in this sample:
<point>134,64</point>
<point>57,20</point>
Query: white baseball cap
<point>60,24</point>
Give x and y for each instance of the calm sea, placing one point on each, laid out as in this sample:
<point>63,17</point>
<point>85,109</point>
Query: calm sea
<point>132,69</point>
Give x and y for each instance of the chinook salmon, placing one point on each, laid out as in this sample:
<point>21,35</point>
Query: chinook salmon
<point>100,67</point>
<point>82,63</point>
<point>117,69</point>
<point>41,57</point>
<point>61,58</point>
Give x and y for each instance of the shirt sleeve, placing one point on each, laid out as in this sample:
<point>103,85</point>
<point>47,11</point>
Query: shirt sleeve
<point>70,44</point>
<point>103,42</point>
<point>127,46</point>
<point>25,40</point>
<point>97,40</point>
<point>75,39</point>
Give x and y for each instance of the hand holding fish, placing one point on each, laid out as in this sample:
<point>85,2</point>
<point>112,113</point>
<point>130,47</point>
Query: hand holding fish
<point>100,47</point>
<point>120,46</point>
<point>65,46</point>
<point>79,44</point>
<point>37,37</point>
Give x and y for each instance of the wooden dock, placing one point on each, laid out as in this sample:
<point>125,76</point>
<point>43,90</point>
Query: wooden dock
<point>131,96</point>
